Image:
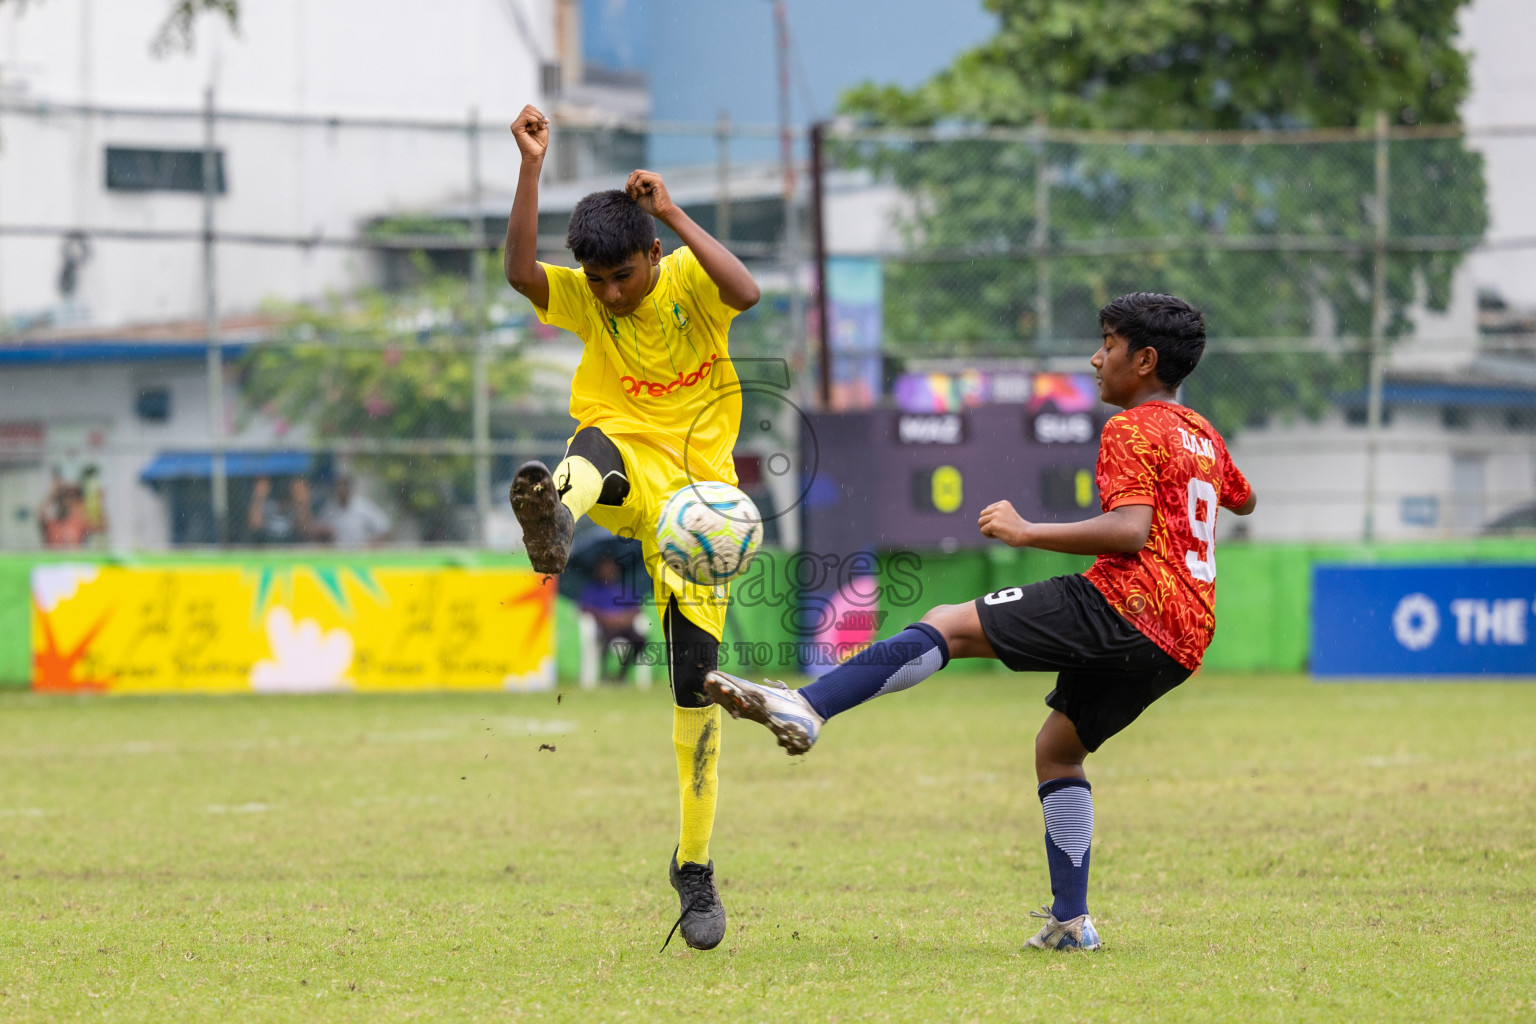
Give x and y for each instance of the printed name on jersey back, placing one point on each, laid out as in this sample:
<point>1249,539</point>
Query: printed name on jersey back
<point>1202,447</point>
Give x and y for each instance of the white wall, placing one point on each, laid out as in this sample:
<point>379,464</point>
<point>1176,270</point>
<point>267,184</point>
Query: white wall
<point>1499,34</point>
<point>1310,477</point>
<point>404,58</point>
<point>430,60</point>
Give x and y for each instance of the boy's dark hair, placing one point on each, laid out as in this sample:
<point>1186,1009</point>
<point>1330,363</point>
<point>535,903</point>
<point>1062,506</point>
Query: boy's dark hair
<point>608,228</point>
<point>1171,326</point>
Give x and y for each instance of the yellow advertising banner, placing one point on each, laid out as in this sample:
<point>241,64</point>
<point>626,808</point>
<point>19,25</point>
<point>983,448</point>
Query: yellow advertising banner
<point>289,629</point>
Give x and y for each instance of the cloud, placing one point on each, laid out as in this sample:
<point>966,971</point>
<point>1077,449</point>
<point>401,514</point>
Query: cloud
<point>52,585</point>
<point>305,658</point>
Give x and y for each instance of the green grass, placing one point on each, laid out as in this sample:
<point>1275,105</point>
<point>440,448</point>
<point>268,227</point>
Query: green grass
<point>1268,850</point>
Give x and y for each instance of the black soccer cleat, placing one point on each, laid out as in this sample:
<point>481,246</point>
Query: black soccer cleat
<point>547,524</point>
<point>702,920</point>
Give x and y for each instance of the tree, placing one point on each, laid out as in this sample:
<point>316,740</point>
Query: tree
<point>1193,65</point>
<point>176,31</point>
<point>386,368</point>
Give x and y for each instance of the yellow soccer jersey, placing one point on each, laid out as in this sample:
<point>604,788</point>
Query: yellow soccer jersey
<point>660,374</point>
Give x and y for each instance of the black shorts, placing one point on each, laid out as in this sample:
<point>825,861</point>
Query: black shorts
<point>1108,671</point>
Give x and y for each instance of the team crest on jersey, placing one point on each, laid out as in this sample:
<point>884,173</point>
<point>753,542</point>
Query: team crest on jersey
<point>680,317</point>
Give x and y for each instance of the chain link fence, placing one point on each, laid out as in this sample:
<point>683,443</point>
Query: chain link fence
<point>231,328</point>
<point>1361,376</point>
<point>215,323</point>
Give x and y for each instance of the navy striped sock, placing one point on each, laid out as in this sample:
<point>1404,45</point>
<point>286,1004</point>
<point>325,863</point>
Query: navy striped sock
<point>1068,806</point>
<point>904,660</point>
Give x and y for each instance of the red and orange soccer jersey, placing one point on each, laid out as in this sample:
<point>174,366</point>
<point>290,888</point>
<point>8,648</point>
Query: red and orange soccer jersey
<point>1169,457</point>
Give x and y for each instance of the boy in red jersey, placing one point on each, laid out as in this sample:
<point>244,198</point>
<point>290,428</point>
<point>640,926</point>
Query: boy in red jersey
<point>1121,635</point>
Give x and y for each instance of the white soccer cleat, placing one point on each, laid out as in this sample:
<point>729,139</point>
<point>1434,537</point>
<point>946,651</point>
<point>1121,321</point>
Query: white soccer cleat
<point>788,715</point>
<point>1078,933</point>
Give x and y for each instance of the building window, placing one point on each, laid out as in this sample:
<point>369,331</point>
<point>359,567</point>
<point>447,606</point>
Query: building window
<point>551,78</point>
<point>1455,417</point>
<point>1356,415</point>
<point>161,170</point>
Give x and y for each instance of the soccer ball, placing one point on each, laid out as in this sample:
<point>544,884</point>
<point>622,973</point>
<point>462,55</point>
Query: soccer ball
<point>708,532</point>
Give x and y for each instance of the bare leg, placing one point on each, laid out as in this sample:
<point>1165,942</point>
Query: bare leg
<point>1059,753</point>
<point>962,631</point>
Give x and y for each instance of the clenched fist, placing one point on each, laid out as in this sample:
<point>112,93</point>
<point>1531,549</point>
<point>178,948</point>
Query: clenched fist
<point>531,130</point>
<point>999,520</point>
<point>647,189</point>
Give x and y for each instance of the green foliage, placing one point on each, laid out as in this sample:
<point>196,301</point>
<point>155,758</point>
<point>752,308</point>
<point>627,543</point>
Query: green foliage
<point>1196,64</point>
<point>177,30</point>
<point>407,224</point>
<point>1214,223</point>
<point>386,368</point>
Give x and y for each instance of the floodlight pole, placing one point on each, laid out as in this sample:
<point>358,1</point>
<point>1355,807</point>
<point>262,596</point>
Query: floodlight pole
<point>481,403</point>
<point>819,235</point>
<point>791,255</point>
<point>218,479</point>
<point>1376,368</point>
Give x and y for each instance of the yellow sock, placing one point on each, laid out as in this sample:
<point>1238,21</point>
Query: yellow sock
<point>579,483</point>
<point>696,735</point>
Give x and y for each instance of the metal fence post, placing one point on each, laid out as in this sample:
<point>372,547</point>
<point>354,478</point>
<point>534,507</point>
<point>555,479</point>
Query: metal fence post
<point>819,242</point>
<point>1377,354</point>
<point>218,479</point>
<point>723,178</point>
<point>481,376</point>
<point>1042,242</point>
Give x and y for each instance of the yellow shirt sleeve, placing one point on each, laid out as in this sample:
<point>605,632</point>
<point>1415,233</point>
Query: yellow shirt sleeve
<point>569,299</point>
<point>697,282</point>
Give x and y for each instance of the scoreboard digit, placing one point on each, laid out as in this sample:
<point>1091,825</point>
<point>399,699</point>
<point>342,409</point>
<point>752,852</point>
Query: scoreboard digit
<point>940,489</point>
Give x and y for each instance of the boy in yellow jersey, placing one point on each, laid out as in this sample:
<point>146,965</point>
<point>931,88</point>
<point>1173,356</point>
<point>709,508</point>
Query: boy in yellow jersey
<point>657,408</point>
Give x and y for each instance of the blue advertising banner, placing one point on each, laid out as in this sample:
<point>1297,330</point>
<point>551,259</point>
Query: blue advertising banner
<point>855,300</point>
<point>1423,620</point>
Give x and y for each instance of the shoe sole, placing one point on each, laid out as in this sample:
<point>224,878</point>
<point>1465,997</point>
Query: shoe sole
<point>747,704</point>
<point>1033,944</point>
<point>537,508</point>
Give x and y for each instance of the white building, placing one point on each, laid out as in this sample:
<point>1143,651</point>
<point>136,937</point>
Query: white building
<point>439,62</point>
<point>332,114</point>
<point>1498,33</point>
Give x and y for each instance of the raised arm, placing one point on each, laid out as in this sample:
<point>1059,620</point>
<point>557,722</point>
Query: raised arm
<point>1121,530</point>
<point>737,289</point>
<point>520,262</point>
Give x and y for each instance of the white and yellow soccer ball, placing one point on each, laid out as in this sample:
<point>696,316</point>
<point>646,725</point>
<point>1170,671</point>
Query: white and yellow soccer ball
<point>708,532</point>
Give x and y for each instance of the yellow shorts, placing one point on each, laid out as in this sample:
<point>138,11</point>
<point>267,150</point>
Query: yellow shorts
<point>653,475</point>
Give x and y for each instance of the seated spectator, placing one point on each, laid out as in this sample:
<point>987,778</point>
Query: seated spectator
<point>350,520</point>
<point>615,612</point>
<point>63,518</point>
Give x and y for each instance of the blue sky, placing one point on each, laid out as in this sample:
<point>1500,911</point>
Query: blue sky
<point>709,55</point>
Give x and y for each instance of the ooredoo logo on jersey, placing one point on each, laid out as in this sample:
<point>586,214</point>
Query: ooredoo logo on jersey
<point>636,388</point>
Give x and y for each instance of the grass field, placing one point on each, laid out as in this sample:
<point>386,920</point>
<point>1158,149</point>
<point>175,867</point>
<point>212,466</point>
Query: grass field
<point>1268,849</point>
